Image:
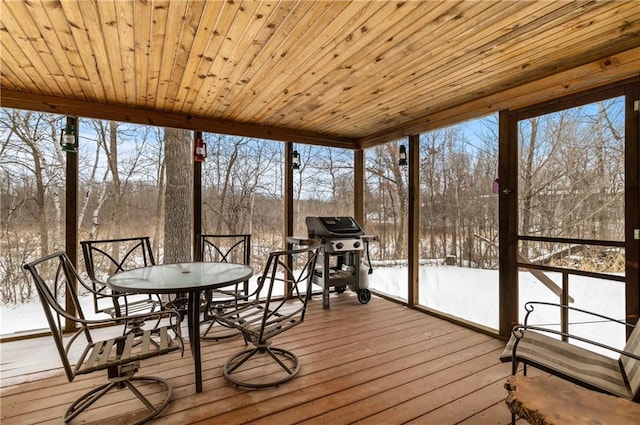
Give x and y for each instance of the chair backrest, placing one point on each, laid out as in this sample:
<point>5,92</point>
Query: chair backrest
<point>293,270</point>
<point>55,279</point>
<point>105,257</point>
<point>631,366</point>
<point>223,248</point>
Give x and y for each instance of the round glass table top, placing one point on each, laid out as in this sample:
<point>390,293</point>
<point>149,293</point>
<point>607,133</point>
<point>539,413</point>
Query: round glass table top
<point>179,277</point>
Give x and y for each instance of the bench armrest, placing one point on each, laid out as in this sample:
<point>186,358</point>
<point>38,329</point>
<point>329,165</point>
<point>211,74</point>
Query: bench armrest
<point>530,306</point>
<point>518,334</point>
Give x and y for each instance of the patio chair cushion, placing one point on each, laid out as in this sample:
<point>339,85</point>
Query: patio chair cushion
<point>573,363</point>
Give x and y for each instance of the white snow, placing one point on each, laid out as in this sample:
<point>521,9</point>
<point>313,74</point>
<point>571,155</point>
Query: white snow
<point>471,294</point>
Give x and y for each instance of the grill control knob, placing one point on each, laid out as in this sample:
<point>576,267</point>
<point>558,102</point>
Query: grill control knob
<point>339,245</point>
<point>356,244</point>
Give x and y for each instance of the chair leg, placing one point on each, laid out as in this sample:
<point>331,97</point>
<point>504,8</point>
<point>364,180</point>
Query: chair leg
<point>87,399</point>
<point>208,335</point>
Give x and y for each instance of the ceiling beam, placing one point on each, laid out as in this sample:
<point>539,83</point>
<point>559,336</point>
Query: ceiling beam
<point>80,108</point>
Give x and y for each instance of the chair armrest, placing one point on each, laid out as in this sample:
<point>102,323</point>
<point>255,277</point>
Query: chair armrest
<point>166,312</point>
<point>529,307</point>
<point>518,334</point>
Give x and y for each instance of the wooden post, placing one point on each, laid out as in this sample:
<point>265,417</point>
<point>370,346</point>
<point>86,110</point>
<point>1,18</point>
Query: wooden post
<point>632,202</point>
<point>358,187</point>
<point>197,195</point>
<point>414,219</point>
<point>508,221</point>
<point>288,201</point>
<point>71,215</point>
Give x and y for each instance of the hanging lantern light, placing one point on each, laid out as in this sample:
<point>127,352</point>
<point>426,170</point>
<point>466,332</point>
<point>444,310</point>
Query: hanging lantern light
<point>68,140</point>
<point>295,160</point>
<point>402,158</point>
<point>200,150</point>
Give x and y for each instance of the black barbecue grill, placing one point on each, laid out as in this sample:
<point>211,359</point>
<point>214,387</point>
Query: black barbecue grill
<point>338,265</point>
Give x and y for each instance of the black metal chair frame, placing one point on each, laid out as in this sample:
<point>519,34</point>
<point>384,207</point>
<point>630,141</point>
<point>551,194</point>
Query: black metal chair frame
<point>222,248</point>
<point>268,315</point>
<point>92,250</point>
<point>55,276</point>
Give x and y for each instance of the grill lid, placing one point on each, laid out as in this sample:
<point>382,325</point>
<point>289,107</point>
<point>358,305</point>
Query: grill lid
<point>339,227</point>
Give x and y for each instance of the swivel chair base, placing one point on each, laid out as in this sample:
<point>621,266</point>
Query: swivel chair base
<point>286,360</point>
<point>86,400</point>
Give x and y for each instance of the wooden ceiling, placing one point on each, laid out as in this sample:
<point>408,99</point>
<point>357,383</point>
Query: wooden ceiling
<point>339,73</point>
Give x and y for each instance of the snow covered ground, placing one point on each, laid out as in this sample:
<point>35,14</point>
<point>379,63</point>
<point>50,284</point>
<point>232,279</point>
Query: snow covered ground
<point>471,294</point>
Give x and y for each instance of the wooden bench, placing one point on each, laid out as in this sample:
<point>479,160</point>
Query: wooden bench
<point>545,400</point>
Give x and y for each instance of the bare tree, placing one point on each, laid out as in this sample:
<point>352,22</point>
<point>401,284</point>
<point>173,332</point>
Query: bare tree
<point>386,173</point>
<point>178,196</point>
<point>32,169</point>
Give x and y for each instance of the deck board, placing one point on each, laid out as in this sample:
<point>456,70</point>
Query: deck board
<point>379,363</point>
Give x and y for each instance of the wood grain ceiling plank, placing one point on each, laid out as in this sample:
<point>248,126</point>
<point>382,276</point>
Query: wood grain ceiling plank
<point>142,35</point>
<point>602,32</point>
<point>308,65</point>
<point>243,51</point>
<point>440,79</point>
<point>109,26</point>
<point>351,80</point>
<point>272,59</point>
<point>208,70</point>
<point>171,28</point>
<point>339,57</point>
<point>249,61</point>
<point>95,56</point>
<point>190,22</point>
<point>502,68</point>
<point>478,21</point>
<point>25,42</point>
<point>198,62</point>
<point>278,58</point>
<point>156,50</point>
<point>64,44</point>
<point>512,49</point>
<point>126,40</point>
<point>10,75</point>
<point>91,46</point>
<point>232,43</point>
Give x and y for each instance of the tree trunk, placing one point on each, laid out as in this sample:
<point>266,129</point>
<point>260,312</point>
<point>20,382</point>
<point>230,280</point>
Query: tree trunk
<point>527,182</point>
<point>178,196</point>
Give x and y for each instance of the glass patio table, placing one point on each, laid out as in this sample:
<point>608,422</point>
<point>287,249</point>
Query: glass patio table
<point>181,278</point>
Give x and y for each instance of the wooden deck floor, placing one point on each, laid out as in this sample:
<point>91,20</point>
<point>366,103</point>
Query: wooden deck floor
<point>379,363</point>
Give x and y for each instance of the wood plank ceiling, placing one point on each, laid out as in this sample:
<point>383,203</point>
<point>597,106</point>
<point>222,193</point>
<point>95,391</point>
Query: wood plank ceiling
<point>340,73</point>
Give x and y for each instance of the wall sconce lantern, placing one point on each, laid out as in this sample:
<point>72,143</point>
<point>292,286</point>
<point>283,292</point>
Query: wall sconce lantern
<point>68,140</point>
<point>402,158</point>
<point>199,150</point>
<point>295,160</point>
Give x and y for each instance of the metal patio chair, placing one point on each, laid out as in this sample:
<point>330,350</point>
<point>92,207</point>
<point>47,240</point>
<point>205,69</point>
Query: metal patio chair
<point>81,352</point>
<point>105,257</point>
<point>225,249</point>
<point>267,315</point>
